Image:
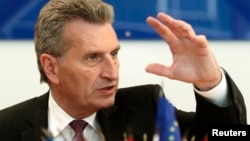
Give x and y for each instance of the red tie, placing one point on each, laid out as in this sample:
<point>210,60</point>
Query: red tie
<point>78,126</point>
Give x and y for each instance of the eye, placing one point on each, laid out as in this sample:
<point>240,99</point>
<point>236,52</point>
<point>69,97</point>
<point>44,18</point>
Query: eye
<point>114,54</point>
<point>92,58</point>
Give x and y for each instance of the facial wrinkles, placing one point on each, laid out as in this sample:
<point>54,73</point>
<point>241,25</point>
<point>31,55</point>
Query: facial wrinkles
<point>107,80</point>
<point>101,42</point>
<point>103,50</point>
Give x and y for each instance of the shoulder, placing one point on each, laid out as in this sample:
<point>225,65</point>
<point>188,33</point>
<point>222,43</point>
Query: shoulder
<point>137,95</point>
<point>139,90</point>
<point>22,109</point>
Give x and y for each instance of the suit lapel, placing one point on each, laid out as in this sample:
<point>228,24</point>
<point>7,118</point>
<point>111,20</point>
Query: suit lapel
<point>37,119</point>
<point>32,134</point>
<point>133,112</point>
<point>113,123</point>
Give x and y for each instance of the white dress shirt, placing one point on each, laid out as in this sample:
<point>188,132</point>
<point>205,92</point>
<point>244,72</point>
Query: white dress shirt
<point>58,124</point>
<point>218,95</point>
<point>59,120</point>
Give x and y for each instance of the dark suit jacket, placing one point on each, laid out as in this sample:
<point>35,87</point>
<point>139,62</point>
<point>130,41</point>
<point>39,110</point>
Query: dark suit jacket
<point>134,112</point>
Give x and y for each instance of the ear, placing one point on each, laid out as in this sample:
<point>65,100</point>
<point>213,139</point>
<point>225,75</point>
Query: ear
<point>49,63</point>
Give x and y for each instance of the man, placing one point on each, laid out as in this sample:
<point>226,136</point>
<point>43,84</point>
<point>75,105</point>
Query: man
<point>77,54</point>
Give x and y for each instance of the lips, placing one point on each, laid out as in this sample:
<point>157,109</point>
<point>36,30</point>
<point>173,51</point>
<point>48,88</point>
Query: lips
<point>106,87</point>
<point>107,90</point>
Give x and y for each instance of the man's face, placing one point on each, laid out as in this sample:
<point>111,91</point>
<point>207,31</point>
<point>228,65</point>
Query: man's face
<point>88,72</point>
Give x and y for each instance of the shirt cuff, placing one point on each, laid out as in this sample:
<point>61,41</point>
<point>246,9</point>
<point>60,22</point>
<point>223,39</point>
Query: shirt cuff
<point>217,95</point>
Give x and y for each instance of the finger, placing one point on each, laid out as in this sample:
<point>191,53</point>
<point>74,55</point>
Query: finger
<point>159,69</point>
<point>183,29</point>
<point>165,18</point>
<point>201,41</point>
<point>179,28</point>
<point>162,30</point>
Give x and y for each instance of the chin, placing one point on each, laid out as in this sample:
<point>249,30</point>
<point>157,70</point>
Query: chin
<point>107,103</point>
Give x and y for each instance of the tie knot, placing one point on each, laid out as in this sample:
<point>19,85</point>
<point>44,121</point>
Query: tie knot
<point>78,125</point>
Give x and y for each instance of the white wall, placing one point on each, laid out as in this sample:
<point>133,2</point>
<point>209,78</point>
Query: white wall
<point>19,77</point>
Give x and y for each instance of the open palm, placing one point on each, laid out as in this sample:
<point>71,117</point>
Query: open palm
<point>193,60</point>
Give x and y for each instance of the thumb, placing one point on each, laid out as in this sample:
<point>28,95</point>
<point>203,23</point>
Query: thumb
<point>158,69</point>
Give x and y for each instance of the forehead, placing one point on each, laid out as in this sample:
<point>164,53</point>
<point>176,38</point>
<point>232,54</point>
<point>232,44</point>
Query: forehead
<point>88,34</point>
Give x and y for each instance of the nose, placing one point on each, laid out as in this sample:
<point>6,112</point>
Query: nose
<point>110,67</point>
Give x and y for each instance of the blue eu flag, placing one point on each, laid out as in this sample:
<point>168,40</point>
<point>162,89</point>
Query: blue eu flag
<point>167,125</point>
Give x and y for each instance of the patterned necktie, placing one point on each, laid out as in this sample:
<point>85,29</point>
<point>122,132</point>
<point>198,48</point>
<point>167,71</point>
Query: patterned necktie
<point>78,126</point>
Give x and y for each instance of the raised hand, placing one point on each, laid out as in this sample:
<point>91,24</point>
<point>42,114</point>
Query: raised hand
<point>193,60</point>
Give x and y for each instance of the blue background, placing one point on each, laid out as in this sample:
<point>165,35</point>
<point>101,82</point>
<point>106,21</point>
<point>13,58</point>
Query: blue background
<point>217,19</point>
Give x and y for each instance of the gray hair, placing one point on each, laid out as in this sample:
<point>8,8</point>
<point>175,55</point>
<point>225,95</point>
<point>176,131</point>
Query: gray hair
<point>53,17</point>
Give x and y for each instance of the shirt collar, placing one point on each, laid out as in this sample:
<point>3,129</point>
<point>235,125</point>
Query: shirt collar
<point>58,119</point>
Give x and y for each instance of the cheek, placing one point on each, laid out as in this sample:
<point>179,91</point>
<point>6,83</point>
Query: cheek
<point>79,75</point>
<point>70,76</point>
<point>86,76</point>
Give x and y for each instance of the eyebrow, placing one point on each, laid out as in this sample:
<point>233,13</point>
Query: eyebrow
<point>118,48</point>
<point>93,51</point>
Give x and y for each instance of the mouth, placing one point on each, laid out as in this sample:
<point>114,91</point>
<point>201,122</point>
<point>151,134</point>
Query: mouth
<point>107,89</point>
